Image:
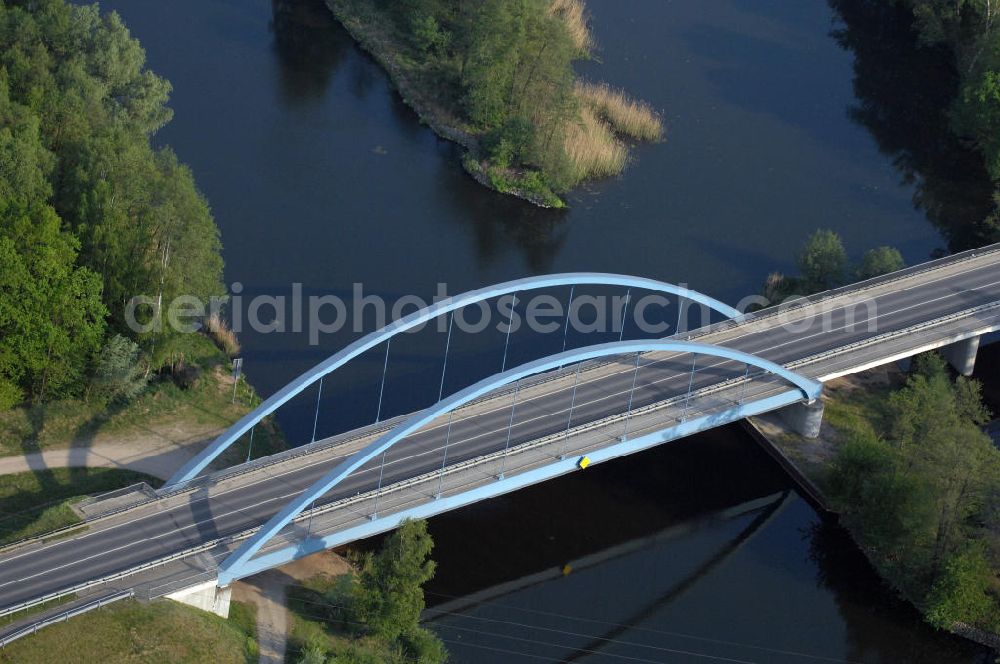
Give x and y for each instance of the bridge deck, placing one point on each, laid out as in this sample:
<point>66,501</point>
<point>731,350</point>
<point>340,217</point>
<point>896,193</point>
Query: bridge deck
<point>923,309</point>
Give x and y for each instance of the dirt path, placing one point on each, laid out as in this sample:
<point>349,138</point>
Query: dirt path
<point>157,451</point>
<point>267,590</point>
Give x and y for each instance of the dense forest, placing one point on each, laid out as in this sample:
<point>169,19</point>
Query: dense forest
<point>91,214</point>
<point>500,73</point>
<point>971,29</point>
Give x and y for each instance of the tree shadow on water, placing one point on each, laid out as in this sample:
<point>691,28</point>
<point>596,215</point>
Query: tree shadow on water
<point>904,91</point>
<point>310,45</point>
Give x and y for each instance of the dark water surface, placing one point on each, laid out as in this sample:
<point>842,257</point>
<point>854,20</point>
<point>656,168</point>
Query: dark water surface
<point>781,117</point>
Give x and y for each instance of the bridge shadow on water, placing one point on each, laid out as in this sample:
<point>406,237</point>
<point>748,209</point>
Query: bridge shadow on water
<point>683,547</point>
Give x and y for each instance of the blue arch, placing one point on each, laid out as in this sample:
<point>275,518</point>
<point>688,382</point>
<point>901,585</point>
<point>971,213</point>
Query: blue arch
<point>810,390</point>
<point>191,469</point>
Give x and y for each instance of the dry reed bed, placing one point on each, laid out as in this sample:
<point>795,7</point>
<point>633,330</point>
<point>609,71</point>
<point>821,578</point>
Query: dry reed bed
<point>593,149</point>
<point>626,116</point>
<point>219,332</point>
<point>574,14</point>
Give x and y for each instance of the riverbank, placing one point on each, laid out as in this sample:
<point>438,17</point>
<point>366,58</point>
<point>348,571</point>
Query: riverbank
<point>576,132</point>
<point>856,408</point>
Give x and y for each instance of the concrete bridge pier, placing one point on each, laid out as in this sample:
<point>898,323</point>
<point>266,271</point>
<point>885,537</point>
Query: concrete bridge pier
<point>804,418</point>
<point>962,355</point>
<point>206,596</point>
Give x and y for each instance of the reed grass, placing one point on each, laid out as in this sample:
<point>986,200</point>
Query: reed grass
<point>592,149</point>
<point>626,116</point>
<point>574,14</point>
<point>219,332</point>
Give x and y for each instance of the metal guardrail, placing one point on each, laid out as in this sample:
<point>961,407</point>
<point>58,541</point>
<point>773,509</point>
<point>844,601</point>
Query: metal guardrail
<point>63,616</point>
<point>895,334</point>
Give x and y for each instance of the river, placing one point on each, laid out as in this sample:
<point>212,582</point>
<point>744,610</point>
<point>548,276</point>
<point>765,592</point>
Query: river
<point>781,117</point>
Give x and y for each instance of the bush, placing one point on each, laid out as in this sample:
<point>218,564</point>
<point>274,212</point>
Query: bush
<point>424,647</point>
<point>508,144</point>
<point>427,34</point>
<point>961,594</point>
<point>10,394</point>
<point>120,374</point>
<point>313,654</point>
<point>186,375</point>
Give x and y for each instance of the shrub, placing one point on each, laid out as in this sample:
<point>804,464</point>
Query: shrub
<point>313,654</point>
<point>424,647</point>
<point>10,394</point>
<point>427,34</point>
<point>120,375</point>
<point>961,593</point>
<point>507,145</point>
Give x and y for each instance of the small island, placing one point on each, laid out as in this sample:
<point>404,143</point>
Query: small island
<point>497,77</point>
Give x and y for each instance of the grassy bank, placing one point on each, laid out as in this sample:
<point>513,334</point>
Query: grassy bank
<point>188,409</point>
<point>162,632</point>
<point>531,129</point>
<point>38,502</point>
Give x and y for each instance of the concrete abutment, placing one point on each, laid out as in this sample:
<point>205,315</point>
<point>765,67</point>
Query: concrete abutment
<point>804,418</point>
<point>206,596</point>
<point>962,355</point>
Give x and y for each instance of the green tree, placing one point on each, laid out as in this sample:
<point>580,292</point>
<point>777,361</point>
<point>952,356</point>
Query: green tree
<point>77,110</point>
<point>427,33</point>
<point>85,78</point>
<point>879,261</point>
<point>497,32</point>
<point>935,424</point>
<point>389,595</point>
<point>977,114</point>
<point>867,485</point>
<point>823,260</point>
<point>51,316</point>
<point>25,164</point>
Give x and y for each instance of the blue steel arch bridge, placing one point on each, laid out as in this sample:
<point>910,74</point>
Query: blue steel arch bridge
<point>523,425</point>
